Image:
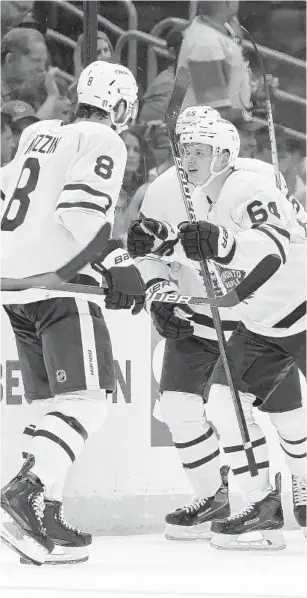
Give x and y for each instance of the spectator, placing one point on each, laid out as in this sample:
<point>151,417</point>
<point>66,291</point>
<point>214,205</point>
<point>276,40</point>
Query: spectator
<point>287,157</point>
<point>129,202</point>
<point>12,13</point>
<point>23,59</point>
<point>6,139</point>
<point>211,51</point>
<point>297,149</point>
<point>49,97</point>
<point>157,96</point>
<point>105,51</point>
<point>248,142</point>
<point>21,115</point>
<point>157,138</point>
<point>30,22</point>
<point>303,169</point>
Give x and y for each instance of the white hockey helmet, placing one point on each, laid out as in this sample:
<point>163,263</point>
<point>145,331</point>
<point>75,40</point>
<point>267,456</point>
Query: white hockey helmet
<point>195,113</point>
<point>220,134</point>
<point>110,87</point>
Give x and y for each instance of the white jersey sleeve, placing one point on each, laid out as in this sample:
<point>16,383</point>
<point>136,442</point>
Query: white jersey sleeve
<point>253,165</point>
<point>93,181</point>
<point>263,220</point>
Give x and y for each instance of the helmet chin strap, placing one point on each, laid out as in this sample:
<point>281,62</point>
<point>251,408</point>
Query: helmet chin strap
<point>214,174</point>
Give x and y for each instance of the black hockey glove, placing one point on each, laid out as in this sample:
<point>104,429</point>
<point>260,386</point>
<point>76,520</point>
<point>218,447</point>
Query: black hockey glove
<point>203,240</point>
<point>147,235</point>
<point>126,286</point>
<point>168,324</point>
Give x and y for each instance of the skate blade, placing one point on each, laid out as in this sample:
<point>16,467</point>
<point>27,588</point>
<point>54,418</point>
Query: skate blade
<point>269,540</point>
<point>15,538</point>
<point>64,556</point>
<point>187,533</point>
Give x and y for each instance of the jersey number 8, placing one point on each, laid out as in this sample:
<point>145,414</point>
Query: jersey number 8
<point>104,167</point>
<point>18,205</point>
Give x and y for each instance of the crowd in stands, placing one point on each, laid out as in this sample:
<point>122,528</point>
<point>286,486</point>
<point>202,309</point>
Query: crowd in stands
<point>33,87</point>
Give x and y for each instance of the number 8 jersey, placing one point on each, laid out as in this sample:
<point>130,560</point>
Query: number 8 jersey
<point>77,168</point>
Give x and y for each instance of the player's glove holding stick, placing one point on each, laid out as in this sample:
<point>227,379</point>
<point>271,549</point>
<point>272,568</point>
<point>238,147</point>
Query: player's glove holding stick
<point>147,235</point>
<point>203,240</point>
<point>126,286</point>
<point>171,320</point>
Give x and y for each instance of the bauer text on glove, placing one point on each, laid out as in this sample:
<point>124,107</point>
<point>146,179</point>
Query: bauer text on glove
<point>126,286</point>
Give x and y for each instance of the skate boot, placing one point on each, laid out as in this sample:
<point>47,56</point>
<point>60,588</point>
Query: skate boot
<point>299,494</point>
<point>69,542</point>
<point>265,518</point>
<point>22,503</point>
<point>192,522</point>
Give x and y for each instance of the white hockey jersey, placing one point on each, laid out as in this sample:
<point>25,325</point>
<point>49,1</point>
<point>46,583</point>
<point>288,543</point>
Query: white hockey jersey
<point>263,223</point>
<point>163,201</point>
<point>78,167</point>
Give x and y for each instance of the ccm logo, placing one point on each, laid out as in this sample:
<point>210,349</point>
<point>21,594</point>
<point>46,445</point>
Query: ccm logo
<point>121,258</point>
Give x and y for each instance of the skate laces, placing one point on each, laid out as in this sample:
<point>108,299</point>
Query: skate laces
<point>299,490</point>
<point>195,504</point>
<point>38,504</point>
<point>65,523</point>
<point>245,511</point>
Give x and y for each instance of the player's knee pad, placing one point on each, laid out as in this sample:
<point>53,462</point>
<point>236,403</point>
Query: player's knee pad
<point>184,414</point>
<point>290,424</point>
<point>180,407</point>
<point>88,407</point>
<point>223,411</point>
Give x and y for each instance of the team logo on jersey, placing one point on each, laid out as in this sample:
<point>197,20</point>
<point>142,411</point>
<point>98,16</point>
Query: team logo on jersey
<point>231,278</point>
<point>61,376</point>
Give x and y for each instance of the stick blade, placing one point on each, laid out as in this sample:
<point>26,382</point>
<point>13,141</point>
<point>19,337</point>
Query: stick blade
<point>180,89</point>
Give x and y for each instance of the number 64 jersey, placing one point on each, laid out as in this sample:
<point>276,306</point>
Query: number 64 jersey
<point>77,167</point>
<point>264,222</point>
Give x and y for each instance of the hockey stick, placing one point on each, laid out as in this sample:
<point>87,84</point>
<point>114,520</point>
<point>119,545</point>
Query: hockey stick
<point>300,211</point>
<point>181,85</point>
<point>54,280</point>
<point>263,271</point>
<point>272,135</point>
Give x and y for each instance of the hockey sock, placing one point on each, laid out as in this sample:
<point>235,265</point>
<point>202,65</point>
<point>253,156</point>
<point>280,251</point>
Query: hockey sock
<point>195,440</point>
<point>38,409</point>
<point>225,419</point>
<point>60,435</point>
<point>291,428</point>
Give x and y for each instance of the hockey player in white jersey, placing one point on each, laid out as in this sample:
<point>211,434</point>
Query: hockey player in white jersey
<point>64,184</point>
<point>286,399</point>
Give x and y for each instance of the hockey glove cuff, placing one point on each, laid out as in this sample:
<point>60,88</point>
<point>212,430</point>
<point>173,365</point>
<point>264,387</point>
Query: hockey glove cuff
<point>126,286</point>
<point>159,285</point>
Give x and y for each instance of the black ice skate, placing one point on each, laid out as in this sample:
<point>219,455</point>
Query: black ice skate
<point>264,517</point>
<point>69,542</point>
<point>299,494</point>
<point>192,522</point>
<point>22,502</point>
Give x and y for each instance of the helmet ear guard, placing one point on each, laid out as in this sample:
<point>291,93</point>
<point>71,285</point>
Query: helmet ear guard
<point>123,112</point>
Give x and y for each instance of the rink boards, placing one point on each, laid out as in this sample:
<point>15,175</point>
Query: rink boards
<point>128,475</point>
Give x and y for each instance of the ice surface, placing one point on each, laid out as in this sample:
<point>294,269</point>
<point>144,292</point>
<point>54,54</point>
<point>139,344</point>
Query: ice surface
<point>150,566</point>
